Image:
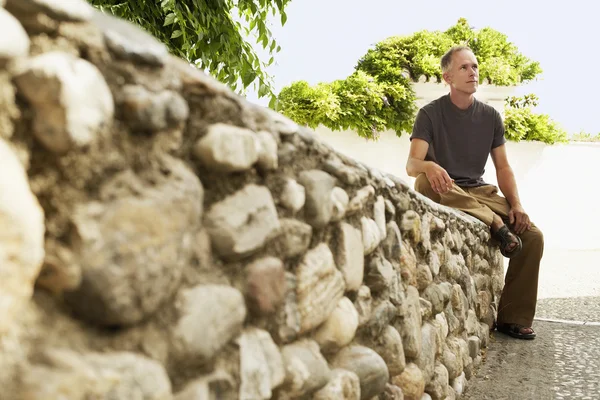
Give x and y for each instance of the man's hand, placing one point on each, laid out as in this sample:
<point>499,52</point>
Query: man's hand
<point>519,219</point>
<point>438,178</point>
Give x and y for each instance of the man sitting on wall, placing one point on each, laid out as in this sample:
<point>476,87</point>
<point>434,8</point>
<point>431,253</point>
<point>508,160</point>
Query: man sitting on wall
<point>450,144</point>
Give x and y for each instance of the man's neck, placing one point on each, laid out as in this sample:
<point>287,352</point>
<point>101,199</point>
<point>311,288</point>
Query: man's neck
<point>461,100</point>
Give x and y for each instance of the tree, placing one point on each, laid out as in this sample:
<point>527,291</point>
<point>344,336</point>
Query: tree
<point>379,96</point>
<point>521,123</point>
<point>210,34</point>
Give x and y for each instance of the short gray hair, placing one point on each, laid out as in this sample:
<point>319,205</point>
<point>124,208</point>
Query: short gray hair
<point>447,58</point>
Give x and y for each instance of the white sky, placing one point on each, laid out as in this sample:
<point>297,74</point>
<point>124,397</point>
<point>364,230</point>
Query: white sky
<point>323,39</point>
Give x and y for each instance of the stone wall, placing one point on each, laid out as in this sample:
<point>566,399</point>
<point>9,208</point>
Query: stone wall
<point>163,238</point>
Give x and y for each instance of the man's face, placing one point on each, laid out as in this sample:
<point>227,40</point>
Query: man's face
<point>464,72</point>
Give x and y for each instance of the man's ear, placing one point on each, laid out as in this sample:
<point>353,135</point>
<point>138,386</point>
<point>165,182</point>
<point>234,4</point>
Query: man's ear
<point>447,77</point>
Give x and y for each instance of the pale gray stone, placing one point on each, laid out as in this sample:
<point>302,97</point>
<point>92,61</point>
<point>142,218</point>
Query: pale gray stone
<point>320,287</point>
<point>392,244</point>
<point>282,124</point>
<point>288,317</point>
<point>14,41</point>
<point>426,309</point>
<point>389,346</point>
<point>411,382</point>
<point>360,199</point>
<point>152,112</point>
<point>218,384</point>
<point>438,386</point>
<point>58,86</point>
<point>434,294</point>
<point>132,253</point>
<point>63,373</point>
<point>390,209</point>
<point>343,385</point>
<point>381,317</point>
<point>424,277</point>
<point>441,319</point>
<point>411,225</point>
<point>459,384</point>
<point>265,285</point>
<point>339,199</point>
<point>379,216</point>
<point>294,237</point>
<point>243,222</point>
<point>261,365</point>
<point>318,209</point>
<point>392,392</point>
<point>426,359</point>
<point>22,244</point>
<point>434,263</point>
<point>126,41</point>
<point>471,324</point>
<point>211,316</point>
<point>306,369</point>
<point>370,235</point>
<point>344,173</point>
<point>74,10</point>
<point>227,148</point>
<point>409,325</point>
<point>293,195</point>
<point>379,274</point>
<point>363,305</point>
<point>367,365</point>
<point>474,346</point>
<point>349,255</point>
<point>452,357</point>
<point>267,151</point>
<point>339,328</point>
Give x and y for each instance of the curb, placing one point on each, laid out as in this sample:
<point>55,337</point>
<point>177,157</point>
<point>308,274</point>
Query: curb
<point>566,321</point>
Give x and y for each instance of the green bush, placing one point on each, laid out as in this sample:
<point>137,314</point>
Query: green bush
<point>521,123</point>
<point>378,95</point>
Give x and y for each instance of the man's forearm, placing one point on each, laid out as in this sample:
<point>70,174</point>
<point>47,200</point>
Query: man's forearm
<point>508,185</point>
<point>414,166</point>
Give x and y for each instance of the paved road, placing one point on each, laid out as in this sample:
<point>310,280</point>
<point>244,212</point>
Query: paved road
<point>563,362</point>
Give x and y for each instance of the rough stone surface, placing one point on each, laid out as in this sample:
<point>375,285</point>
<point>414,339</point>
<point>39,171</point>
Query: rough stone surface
<point>294,237</point>
<point>127,277</point>
<point>152,214</point>
<point>319,205</point>
<point>411,382</point>
<point>306,369</point>
<point>339,328</point>
<point>349,255</point>
<point>219,307</point>
<point>14,41</point>
<point>243,222</point>
<point>261,365</point>
<point>320,287</point>
<point>343,385</point>
<point>367,365</point>
<point>58,85</point>
<point>293,195</point>
<point>265,284</point>
<point>227,148</point>
<point>66,374</point>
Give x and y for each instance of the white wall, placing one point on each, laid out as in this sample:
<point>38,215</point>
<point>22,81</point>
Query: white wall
<point>557,183</point>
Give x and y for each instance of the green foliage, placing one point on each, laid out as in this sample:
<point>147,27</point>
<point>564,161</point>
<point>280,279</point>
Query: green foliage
<point>357,102</point>
<point>210,33</point>
<point>521,123</point>
<point>585,137</point>
<point>420,54</point>
<point>378,95</point>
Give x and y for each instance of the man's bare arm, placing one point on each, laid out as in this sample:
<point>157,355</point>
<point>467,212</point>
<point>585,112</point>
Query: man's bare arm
<point>438,177</point>
<point>508,185</point>
<point>505,175</point>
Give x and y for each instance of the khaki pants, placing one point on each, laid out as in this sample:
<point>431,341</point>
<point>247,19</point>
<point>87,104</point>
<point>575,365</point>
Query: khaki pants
<point>519,297</point>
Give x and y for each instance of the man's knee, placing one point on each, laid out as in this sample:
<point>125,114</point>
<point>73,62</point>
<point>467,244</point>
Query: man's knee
<point>422,184</point>
<point>534,236</point>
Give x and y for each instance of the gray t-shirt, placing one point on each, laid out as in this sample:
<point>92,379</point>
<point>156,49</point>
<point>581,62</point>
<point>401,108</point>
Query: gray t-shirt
<point>460,141</point>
